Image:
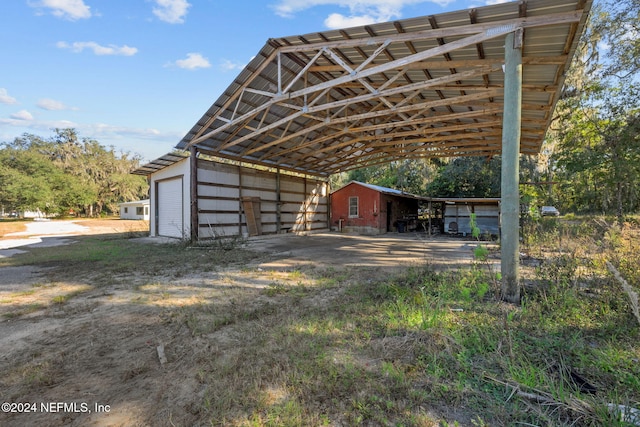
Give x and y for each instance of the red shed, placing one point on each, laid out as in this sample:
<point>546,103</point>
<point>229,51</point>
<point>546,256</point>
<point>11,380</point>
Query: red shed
<point>371,209</point>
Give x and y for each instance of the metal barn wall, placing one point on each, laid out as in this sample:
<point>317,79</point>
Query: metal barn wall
<point>284,202</point>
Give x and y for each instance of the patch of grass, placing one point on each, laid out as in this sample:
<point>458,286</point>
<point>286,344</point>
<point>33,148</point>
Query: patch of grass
<point>24,310</point>
<point>60,299</point>
<point>414,349</point>
<point>117,258</point>
<point>34,373</point>
<point>8,226</point>
<point>276,288</point>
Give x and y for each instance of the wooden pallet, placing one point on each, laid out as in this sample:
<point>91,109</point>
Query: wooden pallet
<point>251,207</point>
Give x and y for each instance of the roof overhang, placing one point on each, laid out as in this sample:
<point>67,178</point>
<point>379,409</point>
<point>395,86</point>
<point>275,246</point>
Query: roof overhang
<point>136,203</point>
<point>422,87</point>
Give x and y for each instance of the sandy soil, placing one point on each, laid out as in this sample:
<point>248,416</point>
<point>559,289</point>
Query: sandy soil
<point>49,234</point>
<point>94,360</point>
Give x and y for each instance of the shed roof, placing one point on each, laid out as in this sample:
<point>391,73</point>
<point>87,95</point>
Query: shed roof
<point>430,86</point>
<point>161,163</point>
<point>384,190</point>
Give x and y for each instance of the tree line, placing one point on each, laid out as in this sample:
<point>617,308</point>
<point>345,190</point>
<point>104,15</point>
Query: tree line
<point>66,174</point>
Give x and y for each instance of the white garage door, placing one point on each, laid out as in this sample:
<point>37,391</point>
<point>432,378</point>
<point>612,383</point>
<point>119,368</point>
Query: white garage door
<point>170,221</point>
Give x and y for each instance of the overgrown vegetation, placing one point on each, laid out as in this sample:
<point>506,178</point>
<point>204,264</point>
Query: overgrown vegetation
<point>433,348</point>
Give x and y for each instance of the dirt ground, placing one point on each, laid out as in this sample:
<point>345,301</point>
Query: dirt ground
<point>97,359</point>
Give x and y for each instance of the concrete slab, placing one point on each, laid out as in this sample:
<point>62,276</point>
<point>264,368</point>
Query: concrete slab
<point>388,250</point>
<point>40,234</point>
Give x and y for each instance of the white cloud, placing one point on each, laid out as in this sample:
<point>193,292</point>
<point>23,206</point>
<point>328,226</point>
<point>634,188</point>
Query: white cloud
<point>150,143</point>
<point>492,2</point>
<point>5,98</point>
<point>98,49</point>
<point>67,9</point>
<point>52,105</point>
<point>171,11</point>
<point>228,65</point>
<point>39,125</point>
<point>337,20</point>
<point>361,12</point>
<point>193,61</point>
<point>24,120</point>
<point>105,130</point>
<point>22,115</point>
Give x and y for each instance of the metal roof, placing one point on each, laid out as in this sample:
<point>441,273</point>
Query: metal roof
<point>430,86</point>
<point>400,193</point>
<point>384,190</point>
<point>135,202</point>
<point>160,163</point>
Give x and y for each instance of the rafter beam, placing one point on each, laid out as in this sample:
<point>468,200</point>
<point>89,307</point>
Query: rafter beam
<point>362,98</point>
<point>488,34</point>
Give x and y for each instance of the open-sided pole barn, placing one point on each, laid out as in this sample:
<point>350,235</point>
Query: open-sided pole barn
<point>477,82</point>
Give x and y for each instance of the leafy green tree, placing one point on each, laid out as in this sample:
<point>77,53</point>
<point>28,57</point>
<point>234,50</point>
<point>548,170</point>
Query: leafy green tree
<point>592,145</point>
<point>599,154</point>
<point>615,26</point>
<point>25,181</point>
<point>65,173</point>
<point>467,177</point>
<point>409,175</point>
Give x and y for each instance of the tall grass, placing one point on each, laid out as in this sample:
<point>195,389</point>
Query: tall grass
<point>427,348</point>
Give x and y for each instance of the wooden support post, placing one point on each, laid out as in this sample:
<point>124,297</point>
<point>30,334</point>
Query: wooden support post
<point>240,200</point>
<point>278,202</point>
<point>510,198</point>
<point>430,206</point>
<point>193,184</point>
<point>328,198</point>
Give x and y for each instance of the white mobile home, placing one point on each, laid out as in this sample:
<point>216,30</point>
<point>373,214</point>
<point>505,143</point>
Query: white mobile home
<point>138,209</point>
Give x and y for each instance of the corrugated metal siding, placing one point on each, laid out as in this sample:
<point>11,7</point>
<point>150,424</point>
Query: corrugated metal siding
<point>303,201</point>
<point>487,217</point>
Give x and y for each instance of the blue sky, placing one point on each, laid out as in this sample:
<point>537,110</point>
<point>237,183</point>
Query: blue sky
<point>138,74</point>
